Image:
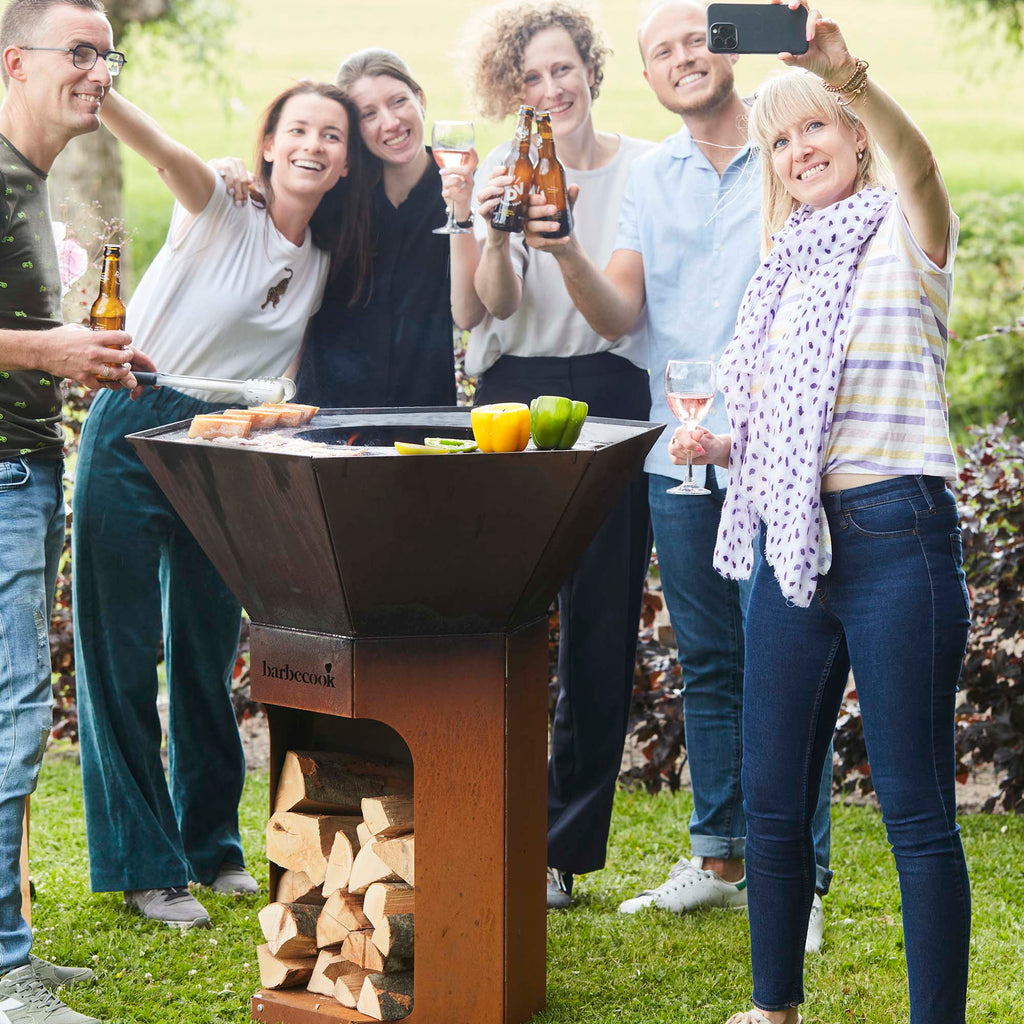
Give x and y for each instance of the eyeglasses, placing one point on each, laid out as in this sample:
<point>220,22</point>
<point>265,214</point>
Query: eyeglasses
<point>85,56</point>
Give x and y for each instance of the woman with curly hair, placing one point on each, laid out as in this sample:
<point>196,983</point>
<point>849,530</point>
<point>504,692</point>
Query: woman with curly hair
<point>533,341</point>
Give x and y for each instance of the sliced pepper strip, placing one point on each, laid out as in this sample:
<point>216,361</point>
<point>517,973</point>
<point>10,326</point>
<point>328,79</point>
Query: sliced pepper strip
<point>503,427</point>
<point>450,444</point>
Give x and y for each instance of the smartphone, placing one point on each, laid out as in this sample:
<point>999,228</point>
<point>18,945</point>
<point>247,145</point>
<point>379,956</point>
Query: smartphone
<point>756,28</point>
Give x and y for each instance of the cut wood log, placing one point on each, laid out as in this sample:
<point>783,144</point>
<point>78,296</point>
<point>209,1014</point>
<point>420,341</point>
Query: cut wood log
<point>298,887</point>
<point>341,914</point>
<point>369,868</point>
<point>330,966</point>
<point>394,935</point>
<point>283,972</point>
<point>359,948</point>
<point>348,986</point>
<point>290,929</point>
<point>323,782</point>
<point>386,996</point>
<point>303,842</point>
<point>399,855</point>
<point>388,816</point>
<point>364,834</point>
<point>383,898</point>
<point>340,859</point>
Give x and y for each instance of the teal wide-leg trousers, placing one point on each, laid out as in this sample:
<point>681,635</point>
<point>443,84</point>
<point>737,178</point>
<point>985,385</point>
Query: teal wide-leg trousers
<point>141,580</point>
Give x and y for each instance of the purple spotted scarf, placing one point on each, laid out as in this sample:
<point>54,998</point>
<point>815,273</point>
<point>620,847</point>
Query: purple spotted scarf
<point>780,439</point>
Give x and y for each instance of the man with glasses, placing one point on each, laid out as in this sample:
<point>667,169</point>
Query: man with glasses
<point>57,67</point>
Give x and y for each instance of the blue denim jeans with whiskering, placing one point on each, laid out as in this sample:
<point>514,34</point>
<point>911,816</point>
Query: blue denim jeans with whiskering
<point>707,619</point>
<point>894,604</point>
<point>31,539</point>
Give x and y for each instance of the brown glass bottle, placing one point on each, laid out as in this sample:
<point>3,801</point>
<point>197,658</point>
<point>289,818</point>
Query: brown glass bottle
<point>549,178</point>
<point>510,213</point>
<point>107,312</point>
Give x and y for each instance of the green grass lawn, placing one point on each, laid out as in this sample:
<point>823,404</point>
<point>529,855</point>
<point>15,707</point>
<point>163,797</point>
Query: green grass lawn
<point>959,93</point>
<point>653,968</point>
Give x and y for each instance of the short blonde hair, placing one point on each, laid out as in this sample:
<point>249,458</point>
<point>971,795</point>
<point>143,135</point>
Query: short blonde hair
<point>780,101</point>
<point>498,38</point>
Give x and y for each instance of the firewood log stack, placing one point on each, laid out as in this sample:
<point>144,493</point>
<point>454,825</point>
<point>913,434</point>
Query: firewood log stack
<point>343,923</point>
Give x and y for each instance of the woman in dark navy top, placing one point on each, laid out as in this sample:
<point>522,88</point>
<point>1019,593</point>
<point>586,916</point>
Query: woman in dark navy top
<point>392,344</point>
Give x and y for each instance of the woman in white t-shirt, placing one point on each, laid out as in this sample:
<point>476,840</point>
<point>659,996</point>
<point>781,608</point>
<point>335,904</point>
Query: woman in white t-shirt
<point>534,341</point>
<point>228,296</point>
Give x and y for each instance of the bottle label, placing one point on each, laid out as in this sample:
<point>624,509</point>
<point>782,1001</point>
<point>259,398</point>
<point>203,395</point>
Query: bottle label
<point>522,132</point>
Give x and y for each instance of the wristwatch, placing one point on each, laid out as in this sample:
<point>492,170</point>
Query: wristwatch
<point>467,223</point>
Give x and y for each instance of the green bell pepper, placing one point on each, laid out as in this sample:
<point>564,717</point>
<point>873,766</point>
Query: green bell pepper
<point>556,422</point>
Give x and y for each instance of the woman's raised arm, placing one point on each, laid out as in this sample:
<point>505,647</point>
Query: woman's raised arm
<point>190,180</point>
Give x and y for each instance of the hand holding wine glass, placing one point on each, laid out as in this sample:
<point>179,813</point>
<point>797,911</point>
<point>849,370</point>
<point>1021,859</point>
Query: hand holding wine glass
<point>690,390</point>
<point>452,147</point>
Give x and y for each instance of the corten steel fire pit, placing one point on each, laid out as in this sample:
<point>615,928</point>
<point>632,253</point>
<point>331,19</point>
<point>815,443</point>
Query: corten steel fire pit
<point>399,608</point>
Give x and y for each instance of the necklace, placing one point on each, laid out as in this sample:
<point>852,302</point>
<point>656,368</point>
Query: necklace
<point>715,145</point>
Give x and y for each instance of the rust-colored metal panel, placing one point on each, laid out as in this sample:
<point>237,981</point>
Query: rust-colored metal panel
<point>526,710</point>
<point>297,1006</point>
<point>301,670</point>
<point>446,697</point>
<point>259,517</point>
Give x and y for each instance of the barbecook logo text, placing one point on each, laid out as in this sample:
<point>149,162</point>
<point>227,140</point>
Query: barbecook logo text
<point>295,676</point>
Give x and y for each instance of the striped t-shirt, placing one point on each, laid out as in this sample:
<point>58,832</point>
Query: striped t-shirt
<point>890,414</point>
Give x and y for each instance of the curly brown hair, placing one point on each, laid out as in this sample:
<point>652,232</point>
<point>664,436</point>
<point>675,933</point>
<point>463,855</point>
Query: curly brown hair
<point>498,37</point>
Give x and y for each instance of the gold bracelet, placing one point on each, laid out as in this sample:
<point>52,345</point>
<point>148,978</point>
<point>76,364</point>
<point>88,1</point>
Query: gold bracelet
<point>852,87</point>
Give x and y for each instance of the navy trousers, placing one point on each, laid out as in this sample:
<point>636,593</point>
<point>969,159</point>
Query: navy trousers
<point>599,611</point>
<point>141,579</point>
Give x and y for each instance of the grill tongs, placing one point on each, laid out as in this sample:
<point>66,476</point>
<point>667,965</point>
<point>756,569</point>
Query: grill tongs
<point>252,392</point>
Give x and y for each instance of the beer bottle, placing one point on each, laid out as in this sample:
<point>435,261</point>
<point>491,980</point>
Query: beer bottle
<point>549,178</point>
<point>107,312</point>
<point>510,213</point>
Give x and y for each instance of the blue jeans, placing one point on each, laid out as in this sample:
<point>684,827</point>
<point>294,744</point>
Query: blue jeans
<point>140,578</point>
<point>894,605</point>
<point>31,540</point>
<point>707,615</point>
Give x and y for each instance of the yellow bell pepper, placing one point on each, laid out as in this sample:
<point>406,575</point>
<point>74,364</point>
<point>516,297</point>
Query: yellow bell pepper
<point>504,427</point>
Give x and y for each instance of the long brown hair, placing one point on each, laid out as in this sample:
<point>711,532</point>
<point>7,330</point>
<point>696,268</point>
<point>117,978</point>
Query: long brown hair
<point>341,222</point>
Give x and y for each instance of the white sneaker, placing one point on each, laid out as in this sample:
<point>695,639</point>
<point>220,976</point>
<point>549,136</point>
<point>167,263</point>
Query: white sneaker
<point>815,927</point>
<point>174,906</point>
<point>689,887</point>
<point>24,1000</point>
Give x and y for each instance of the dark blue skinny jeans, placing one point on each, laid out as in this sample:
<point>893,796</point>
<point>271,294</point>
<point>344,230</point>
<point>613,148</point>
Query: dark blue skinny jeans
<point>894,605</point>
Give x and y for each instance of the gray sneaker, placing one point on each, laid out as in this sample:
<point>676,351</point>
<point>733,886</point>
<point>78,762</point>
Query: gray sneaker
<point>55,976</point>
<point>174,905</point>
<point>233,878</point>
<point>559,889</point>
<point>24,1000</point>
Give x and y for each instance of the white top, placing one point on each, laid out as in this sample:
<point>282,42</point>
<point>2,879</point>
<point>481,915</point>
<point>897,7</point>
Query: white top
<point>206,305</point>
<point>547,323</point>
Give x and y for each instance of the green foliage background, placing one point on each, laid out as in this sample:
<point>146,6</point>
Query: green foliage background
<point>935,56</point>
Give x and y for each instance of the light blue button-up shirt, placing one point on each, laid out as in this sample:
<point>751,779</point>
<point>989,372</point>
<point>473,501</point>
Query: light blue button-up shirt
<point>699,236</point>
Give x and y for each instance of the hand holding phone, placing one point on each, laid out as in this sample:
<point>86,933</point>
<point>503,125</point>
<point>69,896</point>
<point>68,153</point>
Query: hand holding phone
<point>757,28</point>
<point>825,52</point>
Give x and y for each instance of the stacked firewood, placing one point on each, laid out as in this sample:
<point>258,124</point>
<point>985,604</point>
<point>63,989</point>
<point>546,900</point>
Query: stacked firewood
<point>342,925</point>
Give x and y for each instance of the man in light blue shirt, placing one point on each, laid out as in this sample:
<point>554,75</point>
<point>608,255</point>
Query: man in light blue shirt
<point>687,244</point>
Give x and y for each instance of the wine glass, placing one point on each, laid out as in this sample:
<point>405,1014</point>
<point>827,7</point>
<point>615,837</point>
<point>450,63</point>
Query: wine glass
<point>452,145</point>
<point>690,390</point>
